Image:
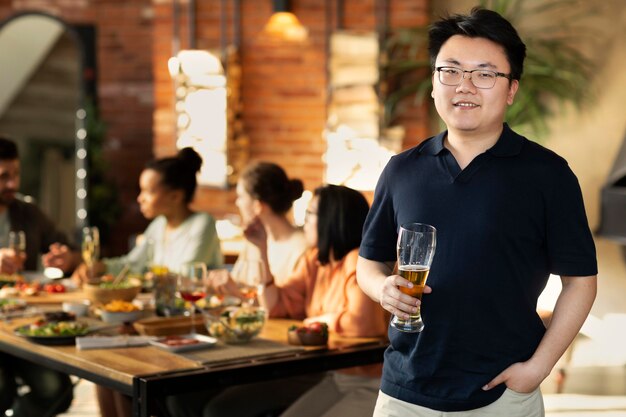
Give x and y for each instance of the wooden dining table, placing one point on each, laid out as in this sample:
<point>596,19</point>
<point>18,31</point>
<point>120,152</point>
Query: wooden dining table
<point>149,374</point>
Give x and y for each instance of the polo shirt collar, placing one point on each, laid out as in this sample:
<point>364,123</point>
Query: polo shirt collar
<point>435,145</point>
<point>509,144</point>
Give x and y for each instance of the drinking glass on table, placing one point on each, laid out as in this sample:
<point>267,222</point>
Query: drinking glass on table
<point>250,277</point>
<point>91,249</point>
<point>17,242</point>
<point>192,287</point>
<point>416,249</point>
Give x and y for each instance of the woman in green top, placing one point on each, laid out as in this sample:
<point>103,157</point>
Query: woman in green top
<point>177,235</point>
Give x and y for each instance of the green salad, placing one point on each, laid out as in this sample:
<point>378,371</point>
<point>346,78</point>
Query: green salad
<point>54,329</point>
<point>118,285</point>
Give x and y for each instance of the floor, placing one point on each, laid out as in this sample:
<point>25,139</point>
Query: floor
<point>595,385</point>
<point>84,404</point>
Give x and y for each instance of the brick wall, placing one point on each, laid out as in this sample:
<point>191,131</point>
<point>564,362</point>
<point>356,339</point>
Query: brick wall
<point>125,88</point>
<point>283,92</point>
<point>284,83</point>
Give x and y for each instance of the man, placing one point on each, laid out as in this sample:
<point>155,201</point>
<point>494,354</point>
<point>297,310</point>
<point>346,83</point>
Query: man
<point>508,213</point>
<point>41,234</point>
<point>50,391</point>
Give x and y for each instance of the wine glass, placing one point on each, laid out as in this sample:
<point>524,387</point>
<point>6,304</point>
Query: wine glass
<point>91,249</point>
<point>17,242</point>
<point>416,249</point>
<point>250,277</point>
<point>192,287</point>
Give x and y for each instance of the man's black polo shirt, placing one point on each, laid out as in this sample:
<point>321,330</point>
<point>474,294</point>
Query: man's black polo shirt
<point>507,221</point>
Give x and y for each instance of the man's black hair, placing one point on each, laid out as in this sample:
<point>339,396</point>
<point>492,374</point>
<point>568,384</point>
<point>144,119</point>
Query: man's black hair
<point>8,149</point>
<point>480,23</point>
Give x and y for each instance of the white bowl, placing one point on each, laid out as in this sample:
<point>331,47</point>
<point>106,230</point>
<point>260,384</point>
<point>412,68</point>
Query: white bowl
<point>79,308</point>
<point>120,316</point>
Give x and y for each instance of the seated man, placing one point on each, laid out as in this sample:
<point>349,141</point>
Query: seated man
<point>50,391</point>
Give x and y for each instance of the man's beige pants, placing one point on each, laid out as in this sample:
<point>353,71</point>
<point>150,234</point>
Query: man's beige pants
<point>510,404</point>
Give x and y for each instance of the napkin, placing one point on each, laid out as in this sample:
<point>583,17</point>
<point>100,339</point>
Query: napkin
<point>105,342</point>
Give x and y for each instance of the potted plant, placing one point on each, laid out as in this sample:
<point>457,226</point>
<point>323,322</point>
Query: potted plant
<point>555,68</point>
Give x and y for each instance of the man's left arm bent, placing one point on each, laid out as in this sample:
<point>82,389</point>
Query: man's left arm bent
<point>570,312</point>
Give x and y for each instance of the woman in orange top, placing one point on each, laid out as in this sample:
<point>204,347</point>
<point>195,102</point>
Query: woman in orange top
<point>322,288</point>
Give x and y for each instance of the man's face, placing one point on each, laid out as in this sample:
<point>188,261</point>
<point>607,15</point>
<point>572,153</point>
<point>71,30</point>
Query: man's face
<point>465,109</point>
<point>9,180</point>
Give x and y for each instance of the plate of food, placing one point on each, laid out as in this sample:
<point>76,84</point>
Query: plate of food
<point>184,343</point>
<point>53,332</point>
<point>11,305</point>
<point>10,279</point>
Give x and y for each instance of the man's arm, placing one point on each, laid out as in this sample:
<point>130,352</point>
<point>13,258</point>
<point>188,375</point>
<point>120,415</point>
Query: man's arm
<point>570,312</point>
<point>377,280</point>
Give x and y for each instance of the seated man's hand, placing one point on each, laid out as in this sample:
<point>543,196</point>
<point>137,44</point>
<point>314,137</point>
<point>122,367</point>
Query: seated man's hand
<point>10,262</point>
<point>60,256</point>
<point>83,274</point>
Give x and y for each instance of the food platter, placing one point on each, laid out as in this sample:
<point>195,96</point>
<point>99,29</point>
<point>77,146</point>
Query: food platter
<point>184,343</point>
<point>66,336</point>
<point>11,305</point>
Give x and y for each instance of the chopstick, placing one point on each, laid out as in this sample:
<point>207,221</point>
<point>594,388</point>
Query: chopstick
<point>121,275</point>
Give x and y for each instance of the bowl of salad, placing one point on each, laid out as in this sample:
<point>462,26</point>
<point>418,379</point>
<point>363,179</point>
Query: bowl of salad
<point>234,324</point>
<point>107,291</point>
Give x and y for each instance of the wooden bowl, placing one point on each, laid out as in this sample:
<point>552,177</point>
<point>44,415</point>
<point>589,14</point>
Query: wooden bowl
<point>100,295</point>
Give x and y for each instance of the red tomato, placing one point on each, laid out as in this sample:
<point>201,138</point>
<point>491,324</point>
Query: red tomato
<point>54,288</point>
<point>316,327</point>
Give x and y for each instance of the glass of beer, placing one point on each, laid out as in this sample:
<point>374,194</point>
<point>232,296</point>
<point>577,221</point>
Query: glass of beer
<point>416,249</point>
<point>250,277</point>
<point>17,242</point>
<point>91,250</point>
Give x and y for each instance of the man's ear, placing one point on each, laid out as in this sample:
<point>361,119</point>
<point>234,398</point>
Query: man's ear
<point>512,91</point>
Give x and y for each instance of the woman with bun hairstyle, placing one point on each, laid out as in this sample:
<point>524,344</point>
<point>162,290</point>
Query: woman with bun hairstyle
<point>177,235</point>
<point>264,197</point>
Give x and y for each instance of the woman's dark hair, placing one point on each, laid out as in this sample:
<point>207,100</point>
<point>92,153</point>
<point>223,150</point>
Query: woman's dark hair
<point>8,149</point>
<point>268,183</point>
<point>179,172</point>
<point>480,23</point>
<point>340,217</point>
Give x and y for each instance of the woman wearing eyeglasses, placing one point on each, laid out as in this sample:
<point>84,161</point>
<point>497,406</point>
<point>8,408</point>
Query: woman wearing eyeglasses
<point>323,288</point>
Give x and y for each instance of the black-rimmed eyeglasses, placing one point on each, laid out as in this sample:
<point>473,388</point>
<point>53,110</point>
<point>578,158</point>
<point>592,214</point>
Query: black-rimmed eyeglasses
<point>479,77</point>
